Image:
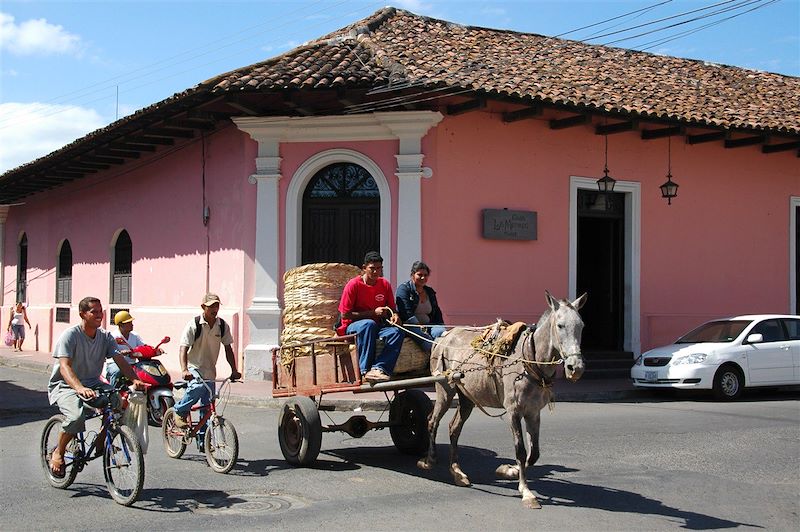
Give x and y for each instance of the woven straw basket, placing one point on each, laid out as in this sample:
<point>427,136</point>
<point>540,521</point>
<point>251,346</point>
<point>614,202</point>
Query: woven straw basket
<point>311,302</point>
<point>412,358</point>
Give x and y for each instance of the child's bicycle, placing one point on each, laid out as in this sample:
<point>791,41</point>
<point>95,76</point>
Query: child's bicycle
<point>123,463</point>
<point>220,442</point>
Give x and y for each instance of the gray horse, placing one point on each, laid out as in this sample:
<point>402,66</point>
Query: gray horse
<point>520,383</point>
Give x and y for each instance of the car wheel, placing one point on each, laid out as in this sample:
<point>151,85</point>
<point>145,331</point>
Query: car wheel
<point>728,383</point>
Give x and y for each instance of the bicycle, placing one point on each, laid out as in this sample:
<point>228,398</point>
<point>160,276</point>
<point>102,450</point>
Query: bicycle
<point>123,462</point>
<point>220,442</point>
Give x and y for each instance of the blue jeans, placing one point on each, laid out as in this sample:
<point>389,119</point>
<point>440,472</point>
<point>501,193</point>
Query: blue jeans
<point>367,333</point>
<point>428,332</point>
<point>195,391</point>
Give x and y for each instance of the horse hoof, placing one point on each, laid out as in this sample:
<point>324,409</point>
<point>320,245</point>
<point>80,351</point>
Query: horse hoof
<point>507,472</point>
<point>424,464</point>
<point>462,481</point>
<point>459,478</point>
<point>531,503</point>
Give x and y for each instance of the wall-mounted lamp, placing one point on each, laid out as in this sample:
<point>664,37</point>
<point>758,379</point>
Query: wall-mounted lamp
<point>670,188</point>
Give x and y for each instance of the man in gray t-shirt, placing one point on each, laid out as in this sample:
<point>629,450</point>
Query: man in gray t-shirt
<point>80,353</point>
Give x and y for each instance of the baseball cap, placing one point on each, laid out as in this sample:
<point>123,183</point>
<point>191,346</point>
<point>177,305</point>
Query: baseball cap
<point>210,299</point>
<point>123,316</point>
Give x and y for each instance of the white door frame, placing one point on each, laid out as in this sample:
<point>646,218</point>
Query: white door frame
<point>632,241</point>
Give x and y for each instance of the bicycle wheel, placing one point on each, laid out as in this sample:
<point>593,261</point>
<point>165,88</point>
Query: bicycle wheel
<point>221,444</point>
<point>174,443</point>
<point>123,466</point>
<point>49,442</point>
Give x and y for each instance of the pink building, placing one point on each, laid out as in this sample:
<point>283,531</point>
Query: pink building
<point>475,150</point>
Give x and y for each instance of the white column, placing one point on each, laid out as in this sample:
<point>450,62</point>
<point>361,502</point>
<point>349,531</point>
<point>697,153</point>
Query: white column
<point>3,218</point>
<point>264,314</point>
<point>409,173</point>
<point>409,214</point>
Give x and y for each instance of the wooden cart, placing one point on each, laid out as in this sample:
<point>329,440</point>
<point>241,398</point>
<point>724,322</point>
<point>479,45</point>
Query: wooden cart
<point>332,367</point>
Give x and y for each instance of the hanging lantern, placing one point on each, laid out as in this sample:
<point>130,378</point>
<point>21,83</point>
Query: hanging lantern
<point>670,188</point>
<point>606,183</point>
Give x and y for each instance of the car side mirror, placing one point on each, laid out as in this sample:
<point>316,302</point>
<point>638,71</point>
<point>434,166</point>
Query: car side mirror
<point>756,338</point>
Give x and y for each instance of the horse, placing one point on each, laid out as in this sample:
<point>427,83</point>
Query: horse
<point>519,382</point>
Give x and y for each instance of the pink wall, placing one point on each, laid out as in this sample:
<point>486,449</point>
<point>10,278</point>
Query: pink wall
<point>721,248</point>
<point>158,200</point>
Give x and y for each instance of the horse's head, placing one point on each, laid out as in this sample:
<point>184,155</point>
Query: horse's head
<point>566,328</point>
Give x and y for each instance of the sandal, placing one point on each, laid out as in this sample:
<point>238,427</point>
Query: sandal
<point>58,469</point>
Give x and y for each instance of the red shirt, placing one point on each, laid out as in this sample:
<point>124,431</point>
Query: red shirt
<point>358,296</point>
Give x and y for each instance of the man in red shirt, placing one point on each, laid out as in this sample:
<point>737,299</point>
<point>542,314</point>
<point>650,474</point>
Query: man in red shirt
<point>368,310</point>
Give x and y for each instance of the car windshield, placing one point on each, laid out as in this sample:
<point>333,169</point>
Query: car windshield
<point>715,331</point>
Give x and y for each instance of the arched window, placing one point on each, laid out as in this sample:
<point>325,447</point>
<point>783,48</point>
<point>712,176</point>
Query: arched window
<point>22,269</point>
<point>64,274</point>
<point>121,269</point>
<point>341,215</point>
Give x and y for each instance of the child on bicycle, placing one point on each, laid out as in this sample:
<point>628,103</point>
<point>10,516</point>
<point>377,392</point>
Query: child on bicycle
<point>199,351</point>
<point>80,352</point>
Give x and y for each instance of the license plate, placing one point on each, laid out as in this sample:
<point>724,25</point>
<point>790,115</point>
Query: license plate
<point>651,376</point>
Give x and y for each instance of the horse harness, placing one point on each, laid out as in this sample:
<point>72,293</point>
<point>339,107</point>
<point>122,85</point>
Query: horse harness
<point>530,365</point>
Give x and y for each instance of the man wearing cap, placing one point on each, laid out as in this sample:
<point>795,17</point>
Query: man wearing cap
<point>124,322</point>
<point>199,351</point>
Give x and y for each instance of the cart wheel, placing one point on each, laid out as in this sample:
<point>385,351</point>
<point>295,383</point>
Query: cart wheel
<point>300,431</point>
<point>408,415</point>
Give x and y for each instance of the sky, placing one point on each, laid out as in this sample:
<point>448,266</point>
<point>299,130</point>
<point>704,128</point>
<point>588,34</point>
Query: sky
<point>70,67</point>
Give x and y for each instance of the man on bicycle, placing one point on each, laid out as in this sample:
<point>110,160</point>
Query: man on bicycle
<point>80,353</point>
<point>199,351</point>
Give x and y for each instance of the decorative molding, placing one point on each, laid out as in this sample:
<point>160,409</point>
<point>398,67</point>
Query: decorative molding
<point>374,126</point>
<point>408,127</point>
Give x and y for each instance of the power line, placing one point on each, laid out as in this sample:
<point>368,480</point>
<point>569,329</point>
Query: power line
<point>644,9</point>
<point>653,44</point>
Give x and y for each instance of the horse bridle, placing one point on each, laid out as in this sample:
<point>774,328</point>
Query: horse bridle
<point>532,366</point>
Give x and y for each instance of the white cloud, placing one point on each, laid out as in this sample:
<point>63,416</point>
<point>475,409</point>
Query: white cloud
<point>31,130</point>
<point>36,37</point>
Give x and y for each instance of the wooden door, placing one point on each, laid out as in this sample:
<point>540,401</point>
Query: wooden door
<point>341,215</point>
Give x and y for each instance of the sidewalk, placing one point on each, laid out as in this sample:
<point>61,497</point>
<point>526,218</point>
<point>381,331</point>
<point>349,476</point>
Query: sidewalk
<point>259,393</point>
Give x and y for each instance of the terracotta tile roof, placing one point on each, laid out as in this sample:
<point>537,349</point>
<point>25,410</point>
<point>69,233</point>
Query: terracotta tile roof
<point>429,52</point>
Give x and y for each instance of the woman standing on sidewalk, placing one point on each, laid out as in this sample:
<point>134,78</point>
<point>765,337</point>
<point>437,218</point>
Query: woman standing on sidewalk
<point>19,317</point>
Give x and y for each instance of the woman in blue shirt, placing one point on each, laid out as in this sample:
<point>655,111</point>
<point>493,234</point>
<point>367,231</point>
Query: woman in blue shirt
<point>418,308</point>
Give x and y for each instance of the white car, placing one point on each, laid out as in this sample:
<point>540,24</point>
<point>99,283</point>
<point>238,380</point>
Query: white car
<point>726,356</point>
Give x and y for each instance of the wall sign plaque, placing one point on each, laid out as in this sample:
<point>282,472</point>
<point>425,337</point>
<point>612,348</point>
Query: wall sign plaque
<point>503,224</point>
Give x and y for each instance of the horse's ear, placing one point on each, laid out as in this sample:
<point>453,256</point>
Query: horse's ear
<point>551,301</point>
<point>578,303</point>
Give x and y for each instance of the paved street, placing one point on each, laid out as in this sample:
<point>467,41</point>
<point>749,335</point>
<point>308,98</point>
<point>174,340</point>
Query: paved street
<point>647,465</point>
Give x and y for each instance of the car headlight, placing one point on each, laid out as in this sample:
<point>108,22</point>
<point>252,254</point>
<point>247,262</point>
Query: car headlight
<point>694,358</point>
<point>639,361</point>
